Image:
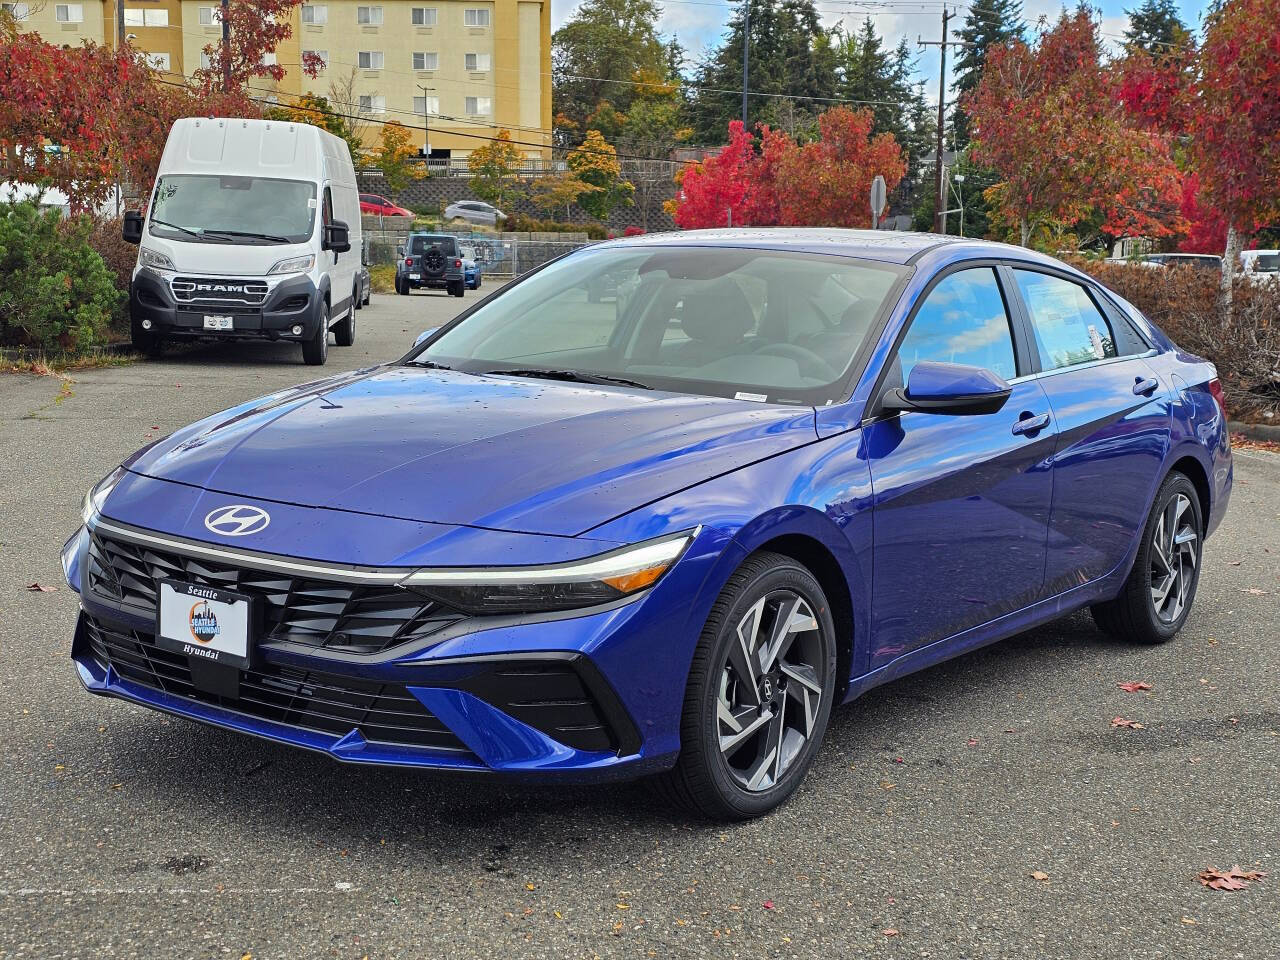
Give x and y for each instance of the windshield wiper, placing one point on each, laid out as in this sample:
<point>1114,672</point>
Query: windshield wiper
<point>572,376</point>
<point>173,226</point>
<point>249,233</point>
<point>428,364</point>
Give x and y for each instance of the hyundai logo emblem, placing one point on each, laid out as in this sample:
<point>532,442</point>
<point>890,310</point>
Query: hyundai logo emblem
<point>237,520</point>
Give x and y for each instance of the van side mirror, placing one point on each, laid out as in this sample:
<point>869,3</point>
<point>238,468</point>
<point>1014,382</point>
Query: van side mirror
<point>337,237</point>
<point>131,228</point>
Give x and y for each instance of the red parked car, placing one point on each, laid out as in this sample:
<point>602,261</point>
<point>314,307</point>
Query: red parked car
<point>381,206</point>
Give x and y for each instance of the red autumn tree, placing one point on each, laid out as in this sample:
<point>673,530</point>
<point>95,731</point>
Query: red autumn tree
<point>258,27</point>
<point>1236,144</point>
<point>827,182</point>
<point>1052,124</point>
<point>775,181</point>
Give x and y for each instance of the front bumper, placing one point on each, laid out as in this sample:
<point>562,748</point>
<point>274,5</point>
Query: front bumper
<point>555,699</point>
<point>292,302</point>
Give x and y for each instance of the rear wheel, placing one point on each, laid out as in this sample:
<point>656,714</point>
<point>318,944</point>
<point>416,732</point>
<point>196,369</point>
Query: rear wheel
<point>344,333</point>
<point>402,287</point>
<point>357,301</point>
<point>1157,596</point>
<point>457,288</point>
<point>316,350</point>
<point>760,692</point>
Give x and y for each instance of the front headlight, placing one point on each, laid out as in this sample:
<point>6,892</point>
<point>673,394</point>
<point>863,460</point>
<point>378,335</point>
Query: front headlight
<point>294,265</point>
<point>154,259</point>
<point>97,495</point>
<point>558,586</point>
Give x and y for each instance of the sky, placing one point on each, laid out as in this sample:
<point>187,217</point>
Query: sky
<point>701,23</point>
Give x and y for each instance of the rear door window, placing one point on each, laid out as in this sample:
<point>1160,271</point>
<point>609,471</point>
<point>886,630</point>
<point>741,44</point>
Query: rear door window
<point>1069,328</point>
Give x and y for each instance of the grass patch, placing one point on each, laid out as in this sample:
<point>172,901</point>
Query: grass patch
<point>44,363</point>
<point>383,278</point>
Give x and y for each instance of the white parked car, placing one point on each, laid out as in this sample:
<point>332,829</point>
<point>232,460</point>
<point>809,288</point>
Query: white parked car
<point>1261,266</point>
<point>473,211</point>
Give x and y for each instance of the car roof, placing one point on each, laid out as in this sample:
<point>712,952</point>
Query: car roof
<point>886,246</point>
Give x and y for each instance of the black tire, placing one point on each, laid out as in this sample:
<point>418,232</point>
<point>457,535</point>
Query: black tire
<point>478,279</point>
<point>1135,615</point>
<point>457,288</point>
<point>148,344</point>
<point>357,301</point>
<point>316,350</point>
<point>344,331</point>
<point>368,295</point>
<point>402,287</point>
<point>704,779</point>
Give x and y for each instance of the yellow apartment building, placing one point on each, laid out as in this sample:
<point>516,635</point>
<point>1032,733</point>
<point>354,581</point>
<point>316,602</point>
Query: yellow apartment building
<point>454,72</point>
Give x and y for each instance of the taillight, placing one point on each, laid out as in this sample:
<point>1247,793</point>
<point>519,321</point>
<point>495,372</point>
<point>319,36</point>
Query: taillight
<point>1215,388</point>
<point>457,263</point>
<point>408,261</point>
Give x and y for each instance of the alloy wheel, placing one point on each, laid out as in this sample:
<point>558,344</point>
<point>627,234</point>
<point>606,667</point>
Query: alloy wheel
<point>1175,551</point>
<point>770,689</point>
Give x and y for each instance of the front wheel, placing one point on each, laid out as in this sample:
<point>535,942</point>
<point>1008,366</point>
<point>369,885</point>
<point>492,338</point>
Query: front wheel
<point>1157,595</point>
<point>759,695</point>
<point>148,344</point>
<point>344,333</point>
<point>316,350</point>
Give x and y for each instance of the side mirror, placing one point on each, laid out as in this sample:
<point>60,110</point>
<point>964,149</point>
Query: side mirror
<point>424,334</point>
<point>953,388</point>
<point>337,237</point>
<point>131,228</point>
<point>399,249</point>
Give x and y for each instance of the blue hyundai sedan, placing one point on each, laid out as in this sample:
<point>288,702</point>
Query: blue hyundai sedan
<point>663,531</point>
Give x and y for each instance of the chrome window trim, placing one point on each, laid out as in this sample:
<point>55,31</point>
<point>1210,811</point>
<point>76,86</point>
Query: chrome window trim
<point>1088,365</point>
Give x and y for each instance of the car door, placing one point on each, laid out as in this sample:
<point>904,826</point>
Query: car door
<point>961,503</point>
<point>1113,417</point>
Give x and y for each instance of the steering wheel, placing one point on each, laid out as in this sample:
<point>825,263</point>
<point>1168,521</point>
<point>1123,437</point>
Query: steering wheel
<point>811,365</point>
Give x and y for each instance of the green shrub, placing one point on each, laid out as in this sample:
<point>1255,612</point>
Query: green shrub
<point>520,223</point>
<point>55,291</point>
<point>120,257</point>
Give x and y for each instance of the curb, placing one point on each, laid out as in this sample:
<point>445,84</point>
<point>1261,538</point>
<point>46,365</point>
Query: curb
<point>1255,431</point>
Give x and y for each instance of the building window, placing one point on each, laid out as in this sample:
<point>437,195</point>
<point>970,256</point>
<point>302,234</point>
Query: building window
<point>475,17</point>
<point>477,61</point>
<point>373,104</point>
<point>371,60</point>
<point>145,17</point>
<point>19,11</point>
<point>70,12</point>
<point>206,61</point>
<point>321,55</point>
<point>423,16</point>
<point>158,61</point>
<point>315,13</point>
<point>369,16</point>
<point>208,16</point>
<point>426,61</point>
<point>269,59</point>
<point>479,106</point>
<point>425,105</point>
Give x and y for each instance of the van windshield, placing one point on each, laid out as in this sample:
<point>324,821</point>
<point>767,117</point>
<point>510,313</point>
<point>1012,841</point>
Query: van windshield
<point>219,209</point>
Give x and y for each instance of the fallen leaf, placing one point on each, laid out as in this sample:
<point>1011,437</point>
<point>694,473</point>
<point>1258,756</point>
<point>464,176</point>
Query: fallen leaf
<point>1129,724</point>
<point>39,588</point>
<point>1133,686</point>
<point>891,932</point>
<point>1233,879</point>
<point>1039,875</point>
<point>972,742</point>
<point>898,760</point>
<point>1189,922</point>
<point>530,886</point>
<point>768,904</point>
<point>886,785</point>
<point>623,906</point>
<point>1254,591</point>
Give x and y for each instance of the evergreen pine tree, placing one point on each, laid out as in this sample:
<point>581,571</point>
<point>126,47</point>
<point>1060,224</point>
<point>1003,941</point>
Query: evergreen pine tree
<point>989,23</point>
<point>1156,27</point>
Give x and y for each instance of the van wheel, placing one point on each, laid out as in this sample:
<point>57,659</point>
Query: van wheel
<point>316,350</point>
<point>344,333</point>
<point>356,301</point>
<point>145,343</point>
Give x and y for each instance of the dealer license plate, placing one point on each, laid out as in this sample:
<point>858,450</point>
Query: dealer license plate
<point>218,323</point>
<point>202,622</point>
<point>415,276</point>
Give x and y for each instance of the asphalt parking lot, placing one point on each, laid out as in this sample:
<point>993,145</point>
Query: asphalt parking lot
<point>124,833</point>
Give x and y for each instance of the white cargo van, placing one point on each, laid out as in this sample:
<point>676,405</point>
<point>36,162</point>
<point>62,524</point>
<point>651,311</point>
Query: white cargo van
<point>252,232</point>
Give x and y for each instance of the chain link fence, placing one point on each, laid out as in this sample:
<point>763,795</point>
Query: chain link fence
<point>501,256</point>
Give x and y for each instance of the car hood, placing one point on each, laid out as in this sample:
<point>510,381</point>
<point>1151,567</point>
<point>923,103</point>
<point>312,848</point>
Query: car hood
<point>506,453</point>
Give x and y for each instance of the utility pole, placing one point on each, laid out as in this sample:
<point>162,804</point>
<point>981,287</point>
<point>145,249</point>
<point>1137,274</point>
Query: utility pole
<point>746,55</point>
<point>940,197</point>
<point>226,47</point>
<point>426,133</point>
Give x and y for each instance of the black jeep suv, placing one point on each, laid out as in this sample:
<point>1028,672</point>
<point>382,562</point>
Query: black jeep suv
<point>431,260</point>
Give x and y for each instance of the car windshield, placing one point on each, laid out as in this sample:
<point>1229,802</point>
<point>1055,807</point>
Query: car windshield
<point>755,324</point>
<point>1266,262</point>
<point>218,209</point>
<point>420,245</point>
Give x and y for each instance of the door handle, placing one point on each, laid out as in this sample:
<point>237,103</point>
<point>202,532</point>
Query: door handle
<point>1028,424</point>
<point>1145,386</point>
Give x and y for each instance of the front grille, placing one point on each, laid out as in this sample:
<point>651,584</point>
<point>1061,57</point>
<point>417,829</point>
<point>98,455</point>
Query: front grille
<point>217,291</point>
<point>326,614</point>
<point>323,702</point>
